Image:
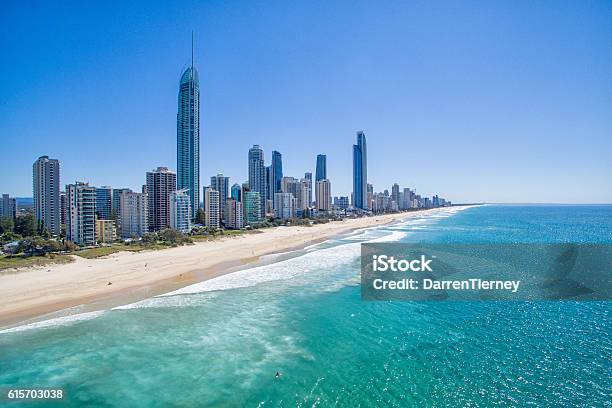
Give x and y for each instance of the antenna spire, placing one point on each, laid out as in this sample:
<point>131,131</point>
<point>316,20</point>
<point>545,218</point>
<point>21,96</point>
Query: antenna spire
<point>192,49</point>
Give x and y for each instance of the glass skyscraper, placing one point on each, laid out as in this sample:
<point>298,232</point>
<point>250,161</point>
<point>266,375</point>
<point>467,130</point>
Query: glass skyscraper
<point>276,173</point>
<point>188,136</point>
<point>360,172</point>
<point>321,170</point>
<point>257,174</point>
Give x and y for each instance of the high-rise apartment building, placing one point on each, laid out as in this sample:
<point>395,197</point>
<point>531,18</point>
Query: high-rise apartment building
<point>134,217</point>
<point>323,196</point>
<point>46,193</point>
<point>180,211</point>
<point>308,178</point>
<point>251,202</point>
<point>8,207</point>
<point>395,193</point>
<point>276,174</point>
<point>221,184</point>
<point>81,213</point>
<point>104,202</point>
<point>284,205</point>
<point>235,214</point>
<point>211,208</point>
<point>161,182</point>
<point>257,174</point>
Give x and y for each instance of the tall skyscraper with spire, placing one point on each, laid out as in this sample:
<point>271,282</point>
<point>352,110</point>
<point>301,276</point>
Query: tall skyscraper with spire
<point>188,135</point>
<point>360,172</point>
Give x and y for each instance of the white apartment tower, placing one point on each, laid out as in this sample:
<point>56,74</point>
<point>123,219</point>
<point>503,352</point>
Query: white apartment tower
<point>81,213</point>
<point>46,193</point>
<point>211,208</point>
<point>134,214</point>
<point>180,211</point>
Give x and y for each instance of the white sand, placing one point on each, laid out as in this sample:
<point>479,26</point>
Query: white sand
<point>41,290</point>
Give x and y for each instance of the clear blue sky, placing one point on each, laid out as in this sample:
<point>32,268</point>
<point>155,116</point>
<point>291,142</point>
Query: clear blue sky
<point>475,100</point>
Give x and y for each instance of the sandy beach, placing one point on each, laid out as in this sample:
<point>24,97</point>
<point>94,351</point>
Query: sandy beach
<point>132,276</point>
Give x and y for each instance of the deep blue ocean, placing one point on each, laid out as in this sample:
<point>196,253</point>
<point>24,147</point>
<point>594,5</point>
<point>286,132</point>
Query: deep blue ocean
<point>219,343</point>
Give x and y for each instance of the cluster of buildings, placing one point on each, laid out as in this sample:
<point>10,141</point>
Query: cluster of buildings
<point>172,200</point>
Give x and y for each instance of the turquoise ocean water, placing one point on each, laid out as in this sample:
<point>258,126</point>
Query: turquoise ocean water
<point>220,343</point>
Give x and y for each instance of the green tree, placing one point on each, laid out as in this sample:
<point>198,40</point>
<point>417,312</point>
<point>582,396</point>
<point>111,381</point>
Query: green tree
<point>6,225</point>
<point>25,225</point>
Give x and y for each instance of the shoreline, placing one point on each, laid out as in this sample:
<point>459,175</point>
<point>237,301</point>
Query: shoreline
<point>37,293</point>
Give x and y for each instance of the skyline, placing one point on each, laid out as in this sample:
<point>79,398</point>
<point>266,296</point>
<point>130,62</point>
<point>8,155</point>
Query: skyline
<point>550,146</point>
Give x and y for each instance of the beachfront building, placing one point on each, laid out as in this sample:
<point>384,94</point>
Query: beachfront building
<point>81,213</point>
<point>116,202</point>
<point>323,197</point>
<point>161,182</point>
<point>321,169</point>
<point>104,202</point>
<point>106,231</point>
<point>8,207</point>
<point>180,211</point>
<point>46,193</point>
<point>188,136</point>
<point>252,207</point>
<point>284,205</point>
<point>211,208</point>
<point>134,217</point>
<point>220,183</point>
<point>257,174</point>
<point>360,172</point>
<point>235,217</point>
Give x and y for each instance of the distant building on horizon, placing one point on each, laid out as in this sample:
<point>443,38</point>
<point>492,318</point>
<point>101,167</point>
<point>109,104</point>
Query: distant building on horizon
<point>211,208</point>
<point>46,193</point>
<point>360,172</point>
<point>8,207</point>
<point>323,198</point>
<point>188,136</point>
<point>257,174</point>
<point>180,211</point>
<point>134,217</point>
<point>81,213</point>
<point>321,169</point>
